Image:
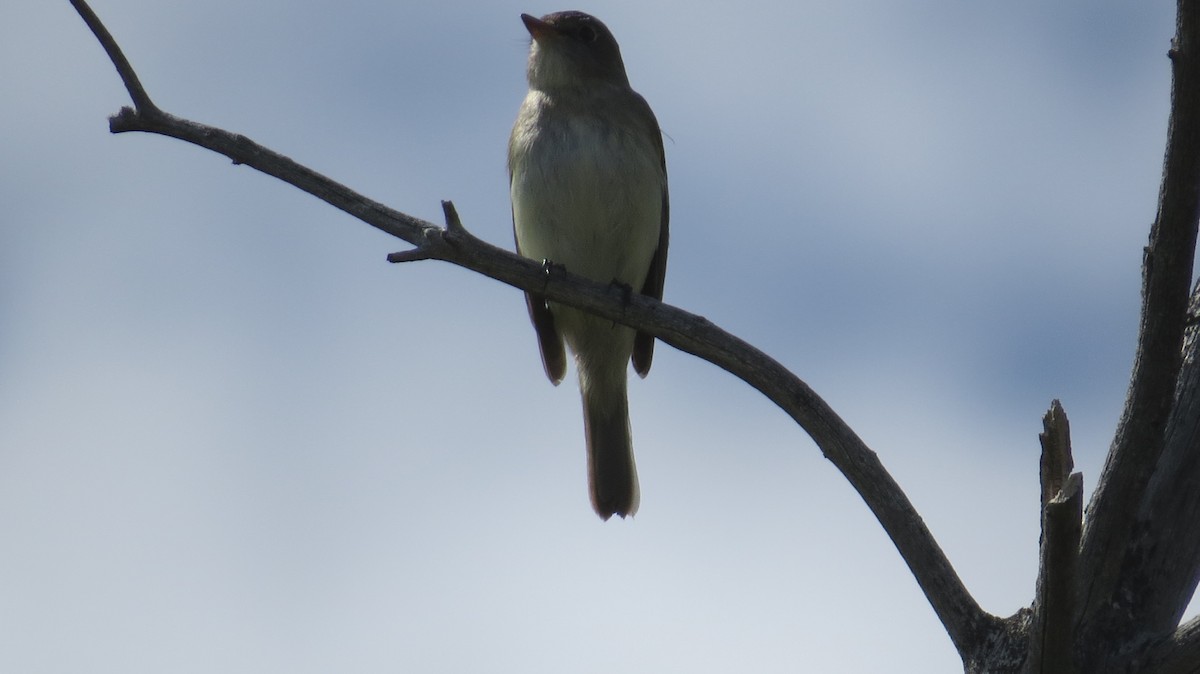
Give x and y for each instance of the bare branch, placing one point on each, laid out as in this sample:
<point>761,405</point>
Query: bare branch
<point>242,150</point>
<point>132,84</point>
<point>1054,609</point>
<point>1167,269</point>
<point>1057,462</point>
<point>1053,623</point>
<point>1162,565</point>
<point>1180,654</point>
<point>414,255</point>
<point>454,229</point>
<point>453,223</point>
<point>968,625</point>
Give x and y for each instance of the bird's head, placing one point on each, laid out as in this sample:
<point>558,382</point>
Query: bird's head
<point>572,49</point>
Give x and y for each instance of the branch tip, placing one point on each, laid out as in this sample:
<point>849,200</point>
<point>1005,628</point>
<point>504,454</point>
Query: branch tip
<point>414,255</point>
<point>1056,460</point>
<point>453,223</point>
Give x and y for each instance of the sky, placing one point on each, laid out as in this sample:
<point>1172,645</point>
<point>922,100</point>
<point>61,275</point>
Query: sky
<point>234,439</point>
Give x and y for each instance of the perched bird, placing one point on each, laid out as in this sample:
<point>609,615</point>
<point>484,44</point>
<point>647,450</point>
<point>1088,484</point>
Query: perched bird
<point>588,181</point>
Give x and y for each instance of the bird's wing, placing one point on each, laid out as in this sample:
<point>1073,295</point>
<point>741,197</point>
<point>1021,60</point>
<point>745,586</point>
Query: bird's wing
<point>643,345</point>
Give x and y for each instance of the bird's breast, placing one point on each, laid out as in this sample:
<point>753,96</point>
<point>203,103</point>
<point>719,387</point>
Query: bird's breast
<point>586,191</point>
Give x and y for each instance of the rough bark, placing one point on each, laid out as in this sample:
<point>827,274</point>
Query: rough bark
<point>1054,606</point>
<point>1116,556</point>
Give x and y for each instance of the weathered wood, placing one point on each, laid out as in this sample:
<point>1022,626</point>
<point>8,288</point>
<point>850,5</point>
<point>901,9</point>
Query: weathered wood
<point>1113,559</point>
<point>1052,627</point>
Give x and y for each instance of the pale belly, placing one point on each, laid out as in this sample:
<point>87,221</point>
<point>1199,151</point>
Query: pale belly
<point>592,203</point>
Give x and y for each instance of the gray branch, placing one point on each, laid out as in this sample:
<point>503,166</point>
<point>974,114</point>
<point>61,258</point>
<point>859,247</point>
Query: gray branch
<point>1054,607</point>
<point>1166,277</point>
<point>1162,564</point>
<point>1181,653</point>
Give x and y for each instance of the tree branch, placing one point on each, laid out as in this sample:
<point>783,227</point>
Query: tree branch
<point>1181,653</point>
<point>1162,565</point>
<point>967,624</point>
<point>1166,276</point>
<point>137,93</point>
<point>1057,462</point>
<point>1053,622</point>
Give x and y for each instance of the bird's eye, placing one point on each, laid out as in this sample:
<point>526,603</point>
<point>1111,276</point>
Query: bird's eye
<point>587,34</point>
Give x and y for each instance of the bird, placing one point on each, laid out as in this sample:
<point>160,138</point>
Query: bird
<point>588,184</point>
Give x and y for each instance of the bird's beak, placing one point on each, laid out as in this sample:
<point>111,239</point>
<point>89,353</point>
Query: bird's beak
<point>536,27</point>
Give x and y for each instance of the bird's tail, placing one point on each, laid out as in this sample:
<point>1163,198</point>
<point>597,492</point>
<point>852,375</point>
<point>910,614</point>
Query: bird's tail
<point>612,475</point>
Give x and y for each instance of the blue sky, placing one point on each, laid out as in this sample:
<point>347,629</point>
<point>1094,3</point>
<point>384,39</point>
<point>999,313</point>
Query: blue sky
<point>232,438</point>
